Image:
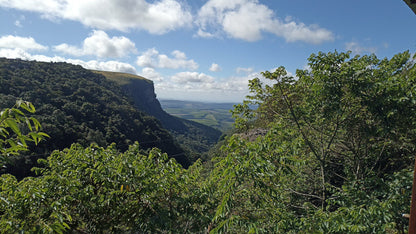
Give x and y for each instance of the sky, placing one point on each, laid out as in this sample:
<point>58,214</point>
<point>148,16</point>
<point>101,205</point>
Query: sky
<point>201,50</point>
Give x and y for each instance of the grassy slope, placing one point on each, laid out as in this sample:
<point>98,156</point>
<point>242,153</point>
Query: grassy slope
<point>121,78</point>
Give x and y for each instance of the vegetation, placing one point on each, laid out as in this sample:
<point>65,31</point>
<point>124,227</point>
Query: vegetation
<point>76,105</point>
<point>14,138</point>
<point>195,138</point>
<point>335,155</point>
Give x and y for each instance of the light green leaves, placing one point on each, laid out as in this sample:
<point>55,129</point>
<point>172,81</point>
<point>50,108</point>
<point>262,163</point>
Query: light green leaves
<point>16,129</point>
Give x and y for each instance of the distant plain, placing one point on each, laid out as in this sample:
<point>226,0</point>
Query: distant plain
<point>216,115</point>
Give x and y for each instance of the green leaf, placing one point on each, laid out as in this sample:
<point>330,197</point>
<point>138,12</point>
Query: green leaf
<point>11,123</point>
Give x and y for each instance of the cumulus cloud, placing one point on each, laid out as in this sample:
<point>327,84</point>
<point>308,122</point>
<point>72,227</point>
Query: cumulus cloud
<point>156,17</point>
<point>192,77</point>
<point>201,87</point>
<point>115,66</point>
<point>248,20</point>
<point>215,68</point>
<point>151,74</point>
<point>153,59</point>
<point>24,43</point>
<point>91,64</point>
<point>101,45</point>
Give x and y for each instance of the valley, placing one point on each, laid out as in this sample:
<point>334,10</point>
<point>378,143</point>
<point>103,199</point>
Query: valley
<point>216,115</point>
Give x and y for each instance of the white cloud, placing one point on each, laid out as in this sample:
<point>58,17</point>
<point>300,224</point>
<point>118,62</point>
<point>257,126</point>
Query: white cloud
<point>25,43</point>
<point>356,48</point>
<point>105,65</point>
<point>92,64</point>
<point>192,77</point>
<point>151,74</point>
<point>215,67</point>
<point>238,83</point>
<point>195,81</point>
<point>201,87</point>
<point>248,20</point>
<point>100,45</point>
<point>204,34</point>
<point>153,59</point>
<point>156,17</point>
<point>13,53</point>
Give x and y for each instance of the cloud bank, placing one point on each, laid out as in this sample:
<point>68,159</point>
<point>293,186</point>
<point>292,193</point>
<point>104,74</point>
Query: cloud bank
<point>248,20</point>
<point>24,43</point>
<point>239,19</point>
<point>101,45</point>
<point>157,17</point>
<point>153,59</point>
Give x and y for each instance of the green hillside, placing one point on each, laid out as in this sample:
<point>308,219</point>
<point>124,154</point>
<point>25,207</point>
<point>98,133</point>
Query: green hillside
<point>195,137</point>
<point>76,105</point>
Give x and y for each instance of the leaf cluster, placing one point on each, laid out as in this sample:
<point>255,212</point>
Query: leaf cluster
<point>97,190</point>
<point>17,129</point>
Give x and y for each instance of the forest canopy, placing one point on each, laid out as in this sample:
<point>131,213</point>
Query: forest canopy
<point>334,155</point>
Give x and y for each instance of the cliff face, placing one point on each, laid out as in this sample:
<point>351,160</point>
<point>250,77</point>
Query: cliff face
<point>196,137</point>
<point>142,92</point>
<point>144,97</point>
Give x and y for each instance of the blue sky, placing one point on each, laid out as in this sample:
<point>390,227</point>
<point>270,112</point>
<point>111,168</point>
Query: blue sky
<point>201,50</point>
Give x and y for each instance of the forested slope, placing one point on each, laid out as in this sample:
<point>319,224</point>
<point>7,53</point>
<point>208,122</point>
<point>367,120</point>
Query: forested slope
<point>76,105</point>
<point>196,138</point>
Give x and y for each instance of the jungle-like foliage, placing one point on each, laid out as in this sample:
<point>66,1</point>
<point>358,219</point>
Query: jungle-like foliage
<point>334,155</point>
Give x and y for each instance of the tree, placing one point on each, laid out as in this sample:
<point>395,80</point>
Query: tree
<point>354,119</point>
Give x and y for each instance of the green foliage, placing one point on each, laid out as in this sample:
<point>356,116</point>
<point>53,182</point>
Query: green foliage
<point>13,133</point>
<point>97,190</point>
<point>76,105</point>
<point>246,184</point>
<point>333,156</point>
<point>354,119</point>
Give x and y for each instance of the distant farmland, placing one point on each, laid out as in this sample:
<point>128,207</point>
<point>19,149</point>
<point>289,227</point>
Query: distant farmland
<point>216,115</point>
